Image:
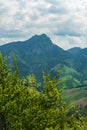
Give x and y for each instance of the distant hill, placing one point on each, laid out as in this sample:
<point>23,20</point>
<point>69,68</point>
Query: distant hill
<point>39,54</point>
<point>80,56</point>
<point>74,50</point>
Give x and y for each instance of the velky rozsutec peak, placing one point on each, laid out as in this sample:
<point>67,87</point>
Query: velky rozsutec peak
<point>44,36</point>
<point>40,39</point>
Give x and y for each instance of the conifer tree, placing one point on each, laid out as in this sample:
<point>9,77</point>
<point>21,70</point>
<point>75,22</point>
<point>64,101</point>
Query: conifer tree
<point>23,107</point>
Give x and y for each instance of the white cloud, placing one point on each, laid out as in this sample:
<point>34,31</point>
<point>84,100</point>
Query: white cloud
<point>65,21</point>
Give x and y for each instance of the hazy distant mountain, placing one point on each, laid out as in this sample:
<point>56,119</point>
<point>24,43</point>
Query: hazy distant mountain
<point>39,54</point>
<point>80,56</point>
<point>74,50</point>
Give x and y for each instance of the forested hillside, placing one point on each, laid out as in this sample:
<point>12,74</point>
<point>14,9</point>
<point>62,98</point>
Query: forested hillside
<point>39,54</point>
<point>23,107</point>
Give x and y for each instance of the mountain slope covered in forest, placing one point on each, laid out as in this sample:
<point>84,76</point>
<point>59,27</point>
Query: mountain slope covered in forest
<point>39,54</point>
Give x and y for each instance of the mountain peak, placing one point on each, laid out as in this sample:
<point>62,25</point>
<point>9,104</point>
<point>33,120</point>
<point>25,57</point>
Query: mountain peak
<point>38,36</point>
<point>40,39</point>
<point>43,35</point>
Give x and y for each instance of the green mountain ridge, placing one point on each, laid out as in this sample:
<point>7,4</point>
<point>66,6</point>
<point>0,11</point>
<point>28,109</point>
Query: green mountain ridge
<point>39,54</point>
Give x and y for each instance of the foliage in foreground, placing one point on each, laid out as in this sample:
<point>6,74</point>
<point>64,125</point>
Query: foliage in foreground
<point>22,107</point>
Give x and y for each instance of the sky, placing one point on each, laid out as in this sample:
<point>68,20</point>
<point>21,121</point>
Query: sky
<point>64,21</point>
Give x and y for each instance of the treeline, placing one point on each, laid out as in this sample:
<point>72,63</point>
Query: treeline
<point>23,107</point>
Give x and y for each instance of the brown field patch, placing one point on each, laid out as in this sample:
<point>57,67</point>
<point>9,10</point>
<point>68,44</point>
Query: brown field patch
<point>83,102</point>
<point>70,92</point>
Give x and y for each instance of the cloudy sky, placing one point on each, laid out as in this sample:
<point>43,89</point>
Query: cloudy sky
<point>64,21</point>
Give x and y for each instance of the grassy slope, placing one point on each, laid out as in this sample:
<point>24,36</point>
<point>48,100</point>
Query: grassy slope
<point>72,94</point>
<point>76,96</point>
<point>69,74</point>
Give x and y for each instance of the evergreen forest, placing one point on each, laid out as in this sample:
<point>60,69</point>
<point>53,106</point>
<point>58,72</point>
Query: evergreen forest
<point>24,107</point>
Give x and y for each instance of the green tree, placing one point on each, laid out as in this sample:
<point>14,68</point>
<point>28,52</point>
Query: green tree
<point>23,107</point>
